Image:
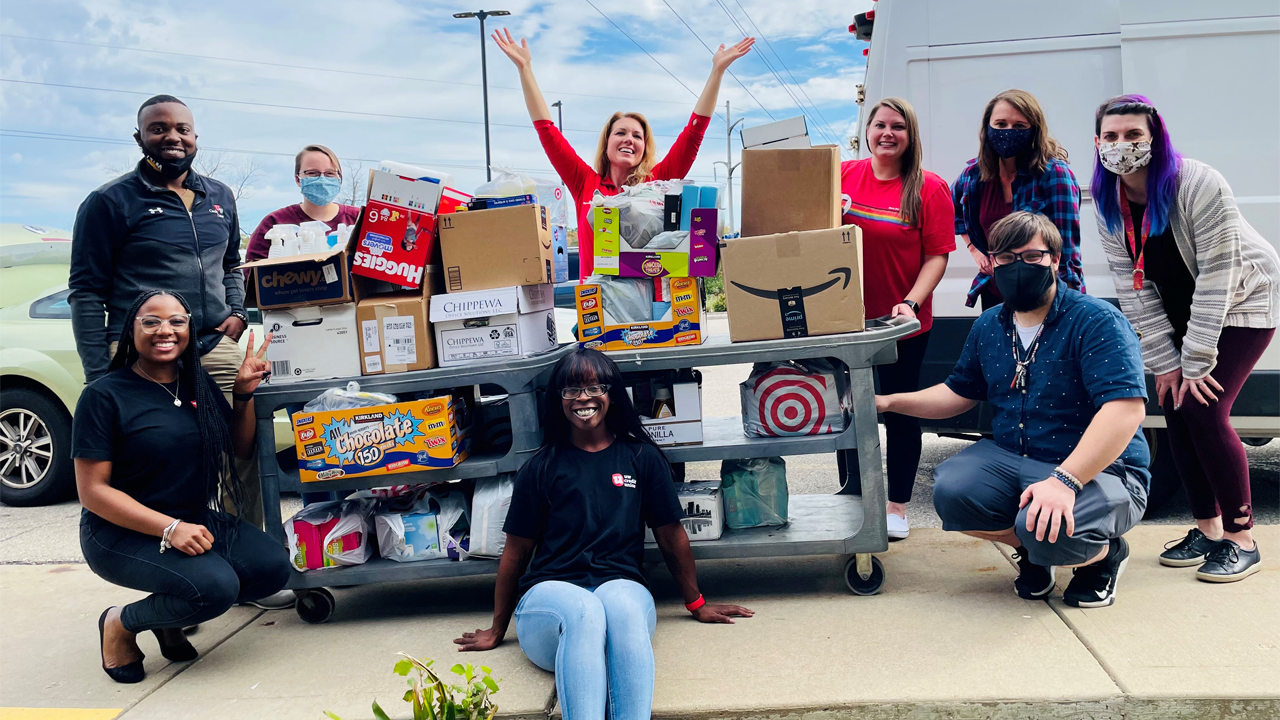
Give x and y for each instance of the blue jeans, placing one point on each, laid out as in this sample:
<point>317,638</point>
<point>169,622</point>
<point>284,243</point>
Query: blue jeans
<point>598,642</point>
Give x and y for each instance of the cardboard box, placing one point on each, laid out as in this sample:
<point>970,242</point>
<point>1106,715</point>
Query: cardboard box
<point>298,280</point>
<point>794,284</point>
<point>405,192</point>
<point>681,324</point>
<point>452,201</point>
<point>615,256</point>
<point>490,249</point>
<point>379,440</point>
<point>493,203</point>
<point>795,143</point>
<point>312,343</point>
<point>395,237</point>
<point>704,241</point>
<point>693,197</point>
<point>703,504</point>
<point>501,324</point>
<point>395,332</point>
<point>774,131</point>
<point>682,428</point>
<point>790,190</point>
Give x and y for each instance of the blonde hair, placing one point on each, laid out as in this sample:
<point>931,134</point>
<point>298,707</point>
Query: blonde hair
<point>911,172</point>
<point>1042,148</point>
<point>641,172</point>
<point>297,161</point>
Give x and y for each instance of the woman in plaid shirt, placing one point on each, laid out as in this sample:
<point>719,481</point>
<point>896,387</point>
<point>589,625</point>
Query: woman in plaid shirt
<point>1019,167</point>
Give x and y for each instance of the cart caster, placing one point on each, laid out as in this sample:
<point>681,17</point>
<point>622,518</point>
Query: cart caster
<point>864,574</point>
<point>316,605</point>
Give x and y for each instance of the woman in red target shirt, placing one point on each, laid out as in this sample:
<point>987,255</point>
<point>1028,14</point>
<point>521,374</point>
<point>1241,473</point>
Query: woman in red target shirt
<point>626,152</point>
<point>908,229</point>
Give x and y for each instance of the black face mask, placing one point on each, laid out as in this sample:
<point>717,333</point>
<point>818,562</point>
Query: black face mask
<point>168,169</point>
<point>1023,286</point>
<point>1008,142</point>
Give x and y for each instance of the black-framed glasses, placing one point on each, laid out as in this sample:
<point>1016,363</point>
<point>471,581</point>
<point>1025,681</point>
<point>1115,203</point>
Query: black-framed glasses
<point>317,173</point>
<point>573,393</point>
<point>1030,257</point>
<point>151,324</point>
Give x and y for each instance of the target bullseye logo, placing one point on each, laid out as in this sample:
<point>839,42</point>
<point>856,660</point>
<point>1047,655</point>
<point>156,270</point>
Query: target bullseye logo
<point>790,403</point>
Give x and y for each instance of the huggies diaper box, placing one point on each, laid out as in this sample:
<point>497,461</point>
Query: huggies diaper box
<point>395,237</point>
<point>380,440</point>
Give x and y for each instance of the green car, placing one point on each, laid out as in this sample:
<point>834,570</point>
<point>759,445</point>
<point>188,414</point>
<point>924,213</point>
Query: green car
<point>40,373</point>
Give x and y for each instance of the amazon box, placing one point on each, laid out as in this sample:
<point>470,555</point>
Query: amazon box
<point>491,249</point>
<point>794,284</point>
<point>790,190</point>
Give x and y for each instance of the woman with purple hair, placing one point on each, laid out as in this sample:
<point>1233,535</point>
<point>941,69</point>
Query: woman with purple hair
<point>1202,289</point>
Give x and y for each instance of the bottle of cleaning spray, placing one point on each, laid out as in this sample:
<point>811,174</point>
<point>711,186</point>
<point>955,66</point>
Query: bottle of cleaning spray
<point>276,236</point>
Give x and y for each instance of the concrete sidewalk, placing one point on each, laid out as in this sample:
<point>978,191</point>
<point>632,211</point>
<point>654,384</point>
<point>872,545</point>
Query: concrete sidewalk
<point>947,638</point>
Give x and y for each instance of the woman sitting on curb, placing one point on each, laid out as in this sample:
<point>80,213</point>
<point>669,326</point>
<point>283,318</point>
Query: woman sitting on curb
<point>154,442</point>
<point>575,541</point>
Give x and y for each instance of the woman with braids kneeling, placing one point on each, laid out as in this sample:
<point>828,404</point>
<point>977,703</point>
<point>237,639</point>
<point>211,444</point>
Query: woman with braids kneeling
<point>154,442</point>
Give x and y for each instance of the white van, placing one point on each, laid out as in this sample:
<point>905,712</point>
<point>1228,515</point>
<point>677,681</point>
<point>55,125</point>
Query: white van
<point>1213,69</point>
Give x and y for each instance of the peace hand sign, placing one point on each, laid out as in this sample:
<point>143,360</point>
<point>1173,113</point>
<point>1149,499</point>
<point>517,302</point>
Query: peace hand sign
<point>254,369</point>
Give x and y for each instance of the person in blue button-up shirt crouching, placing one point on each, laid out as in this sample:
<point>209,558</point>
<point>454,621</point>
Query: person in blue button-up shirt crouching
<point>1066,474</point>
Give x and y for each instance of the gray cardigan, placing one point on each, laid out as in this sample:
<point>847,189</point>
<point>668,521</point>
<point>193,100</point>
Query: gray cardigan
<point>1237,275</point>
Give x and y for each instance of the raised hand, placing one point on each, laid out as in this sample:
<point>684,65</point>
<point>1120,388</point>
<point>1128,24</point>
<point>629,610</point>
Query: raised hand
<point>254,368</point>
<point>519,53</point>
<point>724,56</point>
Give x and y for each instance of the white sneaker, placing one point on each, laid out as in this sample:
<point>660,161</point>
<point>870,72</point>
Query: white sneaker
<point>898,527</point>
<point>282,600</point>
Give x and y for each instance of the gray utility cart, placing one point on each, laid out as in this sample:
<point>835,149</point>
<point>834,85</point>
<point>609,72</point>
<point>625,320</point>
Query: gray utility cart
<point>847,523</point>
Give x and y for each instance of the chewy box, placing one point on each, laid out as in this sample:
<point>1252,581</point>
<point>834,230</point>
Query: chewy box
<point>691,258</point>
<point>379,440</point>
<point>314,279</point>
<point>680,325</point>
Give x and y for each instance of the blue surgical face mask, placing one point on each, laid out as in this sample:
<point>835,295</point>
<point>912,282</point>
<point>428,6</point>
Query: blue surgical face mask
<point>321,190</point>
<point>1008,142</point>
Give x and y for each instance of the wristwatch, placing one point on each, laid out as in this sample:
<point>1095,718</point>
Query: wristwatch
<point>915,306</point>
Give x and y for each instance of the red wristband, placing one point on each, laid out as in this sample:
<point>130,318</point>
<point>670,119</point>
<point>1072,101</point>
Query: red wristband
<point>695,604</point>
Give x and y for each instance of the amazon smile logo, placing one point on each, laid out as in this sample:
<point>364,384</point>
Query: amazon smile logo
<point>843,275</point>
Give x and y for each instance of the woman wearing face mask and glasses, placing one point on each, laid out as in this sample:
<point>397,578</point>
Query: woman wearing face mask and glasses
<point>1202,288</point>
<point>1019,167</point>
<point>319,175</point>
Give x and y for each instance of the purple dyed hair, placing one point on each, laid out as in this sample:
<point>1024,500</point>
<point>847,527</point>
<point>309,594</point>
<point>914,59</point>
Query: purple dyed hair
<point>1162,174</point>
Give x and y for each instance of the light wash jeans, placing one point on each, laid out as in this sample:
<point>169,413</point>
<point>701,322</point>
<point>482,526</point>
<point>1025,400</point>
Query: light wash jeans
<point>598,642</point>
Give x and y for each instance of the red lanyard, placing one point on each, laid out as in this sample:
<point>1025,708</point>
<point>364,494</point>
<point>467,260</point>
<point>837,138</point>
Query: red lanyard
<point>1136,250</point>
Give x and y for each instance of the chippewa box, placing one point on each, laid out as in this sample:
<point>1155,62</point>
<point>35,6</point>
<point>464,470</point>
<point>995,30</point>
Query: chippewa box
<point>380,440</point>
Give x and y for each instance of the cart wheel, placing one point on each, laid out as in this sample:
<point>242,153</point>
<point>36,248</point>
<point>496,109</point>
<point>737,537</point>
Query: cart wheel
<point>315,606</point>
<point>869,580</point>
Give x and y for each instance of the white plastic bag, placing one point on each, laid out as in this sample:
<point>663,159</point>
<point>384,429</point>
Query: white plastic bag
<point>550,194</point>
<point>330,533</point>
<point>489,505</point>
<point>625,300</point>
<point>796,397</point>
<point>346,399</point>
<point>641,209</point>
<point>422,525</point>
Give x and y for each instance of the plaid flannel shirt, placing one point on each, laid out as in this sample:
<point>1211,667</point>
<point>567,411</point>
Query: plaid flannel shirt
<point>1053,193</point>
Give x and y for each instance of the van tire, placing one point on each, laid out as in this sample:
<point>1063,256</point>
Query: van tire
<point>58,482</point>
<point>1165,481</point>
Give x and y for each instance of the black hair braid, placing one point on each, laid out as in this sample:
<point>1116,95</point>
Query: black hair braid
<point>216,449</point>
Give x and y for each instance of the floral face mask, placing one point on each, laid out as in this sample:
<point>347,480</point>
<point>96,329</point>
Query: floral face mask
<point>1123,158</point>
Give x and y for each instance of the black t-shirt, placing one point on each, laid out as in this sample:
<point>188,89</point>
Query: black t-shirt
<point>587,511</point>
<point>1163,267</point>
<point>153,445</point>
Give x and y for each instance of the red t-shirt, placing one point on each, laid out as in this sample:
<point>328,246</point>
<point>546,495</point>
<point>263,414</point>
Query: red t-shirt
<point>583,181</point>
<point>892,253</point>
<point>259,246</point>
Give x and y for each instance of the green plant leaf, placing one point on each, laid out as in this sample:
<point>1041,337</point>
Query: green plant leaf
<point>489,683</point>
<point>458,669</point>
<point>486,670</point>
<point>408,696</point>
<point>378,712</point>
<point>331,716</point>
<point>403,667</point>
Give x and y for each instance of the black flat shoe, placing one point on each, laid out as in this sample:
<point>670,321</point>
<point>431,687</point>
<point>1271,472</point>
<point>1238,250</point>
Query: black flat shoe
<point>1230,563</point>
<point>1191,550</point>
<point>126,674</point>
<point>178,651</point>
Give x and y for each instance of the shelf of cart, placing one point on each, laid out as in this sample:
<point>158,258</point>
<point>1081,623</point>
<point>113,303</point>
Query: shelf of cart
<point>383,570</point>
<point>817,525</point>
<point>477,466</point>
<point>722,438</point>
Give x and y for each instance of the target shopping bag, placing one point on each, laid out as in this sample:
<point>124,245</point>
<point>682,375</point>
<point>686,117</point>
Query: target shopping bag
<point>806,397</point>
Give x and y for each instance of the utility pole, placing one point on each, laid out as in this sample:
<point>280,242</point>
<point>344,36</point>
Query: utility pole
<point>484,79</point>
<point>559,106</point>
<point>728,162</point>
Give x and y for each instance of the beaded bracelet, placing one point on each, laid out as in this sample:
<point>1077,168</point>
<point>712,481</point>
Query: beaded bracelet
<point>164,536</point>
<point>1069,480</point>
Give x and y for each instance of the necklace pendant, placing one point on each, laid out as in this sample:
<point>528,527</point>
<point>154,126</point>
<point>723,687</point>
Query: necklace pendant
<point>177,402</point>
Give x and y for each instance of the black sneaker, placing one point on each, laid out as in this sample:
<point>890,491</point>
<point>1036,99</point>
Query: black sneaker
<point>1229,563</point>
<point>1191,550</point>
<point>1094,586</point>
<point>1034,582</point>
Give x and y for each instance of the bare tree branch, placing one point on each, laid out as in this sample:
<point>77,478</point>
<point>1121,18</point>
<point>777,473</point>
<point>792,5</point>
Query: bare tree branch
<point>354,180</point>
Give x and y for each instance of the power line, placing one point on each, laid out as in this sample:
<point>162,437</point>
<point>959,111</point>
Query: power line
<point>296,107</point>
<point>320,69</point>
<point>784,67</point>
<point>713,53</point>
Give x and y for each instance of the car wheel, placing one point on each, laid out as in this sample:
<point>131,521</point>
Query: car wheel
<point>1165,481</point>
<point>35,449</point>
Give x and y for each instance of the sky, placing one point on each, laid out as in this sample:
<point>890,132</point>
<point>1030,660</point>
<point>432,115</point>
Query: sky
<point>389,79</point>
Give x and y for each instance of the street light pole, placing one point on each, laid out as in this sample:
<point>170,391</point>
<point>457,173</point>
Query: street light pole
<point>559,106</point>
<point>728,162</point>
<point>484,80</point>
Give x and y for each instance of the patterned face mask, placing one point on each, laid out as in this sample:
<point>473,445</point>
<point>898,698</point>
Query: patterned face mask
<point>1123,158</point>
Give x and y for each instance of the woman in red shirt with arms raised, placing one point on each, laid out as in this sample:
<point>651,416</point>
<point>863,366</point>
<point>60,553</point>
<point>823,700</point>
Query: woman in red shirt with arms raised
<point>908,229</point>
<point>626,152</point>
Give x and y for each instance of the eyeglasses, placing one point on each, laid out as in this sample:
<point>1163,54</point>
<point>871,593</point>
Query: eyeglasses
<point>317,173</point>
<point>151,324</point>
<point>573,393</point>
<point>1030,257</point>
